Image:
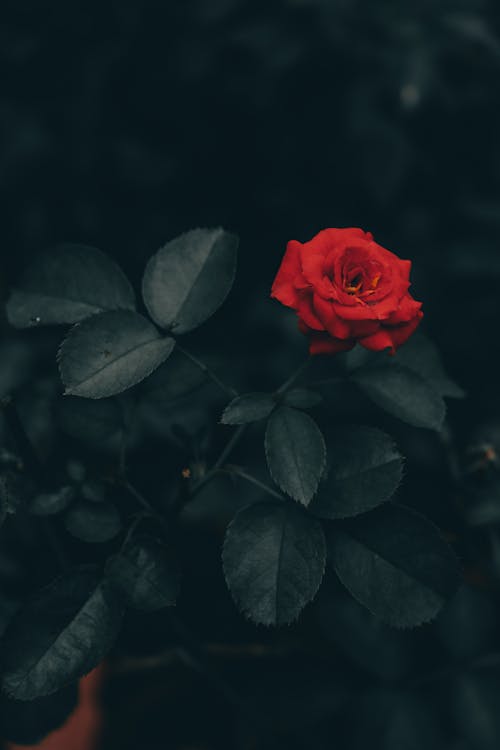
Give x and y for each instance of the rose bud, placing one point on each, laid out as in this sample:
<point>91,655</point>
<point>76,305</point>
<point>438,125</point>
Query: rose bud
<point>347,289</point>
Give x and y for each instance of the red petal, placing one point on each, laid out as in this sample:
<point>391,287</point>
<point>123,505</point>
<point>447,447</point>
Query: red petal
<point>333,324</point>
<point>284,287</point>
<point>407,309</point>
<point>324,344</point>
<point>307,314</point>
<point>402,333</point>
<point>378,341</point>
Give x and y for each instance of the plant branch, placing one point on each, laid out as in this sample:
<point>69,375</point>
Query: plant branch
<point>235,438</point>
<point>236,651</point>
<point>293,377</point>
<point>132,490</point>
<point>226,452</point>
<point>149,509</point>
<point>237,471</point>
<point>227,389</point>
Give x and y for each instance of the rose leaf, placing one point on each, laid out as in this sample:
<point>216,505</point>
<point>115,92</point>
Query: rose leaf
<point>110,352</point>
<point>189,278</point>
<point>365,471</point>
<point>296,453</point>
<point>274,560</point>
<point>68,284</point>
<point>394,562</point>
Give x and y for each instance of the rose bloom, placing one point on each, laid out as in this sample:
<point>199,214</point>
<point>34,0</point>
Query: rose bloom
<point>347,289</point>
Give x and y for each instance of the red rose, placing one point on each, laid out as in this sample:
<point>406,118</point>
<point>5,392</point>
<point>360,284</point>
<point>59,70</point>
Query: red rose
<point>346,289</point>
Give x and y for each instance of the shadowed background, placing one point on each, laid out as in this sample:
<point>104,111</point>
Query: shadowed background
<point>125,123</point>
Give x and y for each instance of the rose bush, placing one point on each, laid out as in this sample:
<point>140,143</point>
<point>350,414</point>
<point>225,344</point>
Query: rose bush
<point>347,289</point>
<point>138,463</point>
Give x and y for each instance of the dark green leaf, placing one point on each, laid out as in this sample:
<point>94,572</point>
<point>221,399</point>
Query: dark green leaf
<point>361,357</point>
<point>93,522</point>
<point>395,563</point>
<point>421,355</point>
<point>418,354</point>
<point>189,278</point>
<point>93,491</point>
<point>68,284</point>
<point>404,394</point>
<point>295,452</point>
<point>75,469</point>
<point>250,407</point>
<point>146,573</point>
<point>274,559</point>
<point>28,722</point>
<point>365,470</point>
<point>302,398</point>
<point>368,642</point>
<point>92,421</point>
<point>58,635</point>
<point>108,353</point>
<point>50,503</point>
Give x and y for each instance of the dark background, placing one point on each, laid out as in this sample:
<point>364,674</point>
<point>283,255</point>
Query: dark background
<point>125,123</point>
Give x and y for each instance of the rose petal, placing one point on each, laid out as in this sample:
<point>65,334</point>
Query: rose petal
<point>360,328</point>
<point>391,337</point>
<point>325,344</point>
<point>377,310</point>
<point>405,268</point>
<point>307,314</point>
<point>402,333</point>
<point>362,311</point>
<point>312,263</point>
<point>312,267</point>
<point>284,287</point>
<point>407,309</point>
<point>378,341</point>
<point>327,239</point>
<point>333,324</point>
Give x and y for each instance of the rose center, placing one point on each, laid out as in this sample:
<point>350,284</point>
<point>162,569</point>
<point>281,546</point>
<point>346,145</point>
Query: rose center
<point>356,284</point>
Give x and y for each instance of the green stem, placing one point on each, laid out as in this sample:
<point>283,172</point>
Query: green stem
<point>131,530</point>
<point>137,495</point>
<point>236,471</point>
<point>293,377</point>
<point>226,452</point>
<point>235,438</point>
<point>149,509</point>
<point>227,389</point>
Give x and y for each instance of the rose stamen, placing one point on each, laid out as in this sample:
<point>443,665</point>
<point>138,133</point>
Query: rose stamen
<point>375,280</point>
<point>354,285</point>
